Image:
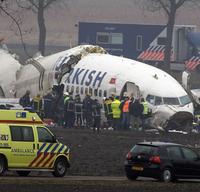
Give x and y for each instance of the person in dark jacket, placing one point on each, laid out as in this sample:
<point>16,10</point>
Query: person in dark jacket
<point>96,109</point>
<point>47,105</point>
<point>87,108</point>
<point>78,111</point>
<point>136,110</point>
<point>70,112</point>
<point>58,104</point>
<point>25,100</point>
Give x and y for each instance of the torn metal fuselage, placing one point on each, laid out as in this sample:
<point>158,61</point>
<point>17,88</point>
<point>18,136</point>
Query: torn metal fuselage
<point>168,117</point>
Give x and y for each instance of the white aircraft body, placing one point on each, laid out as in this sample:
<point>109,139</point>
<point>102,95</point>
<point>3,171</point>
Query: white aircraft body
<point>194,93</point>
<point>88,68</point>
<point>9,67</point>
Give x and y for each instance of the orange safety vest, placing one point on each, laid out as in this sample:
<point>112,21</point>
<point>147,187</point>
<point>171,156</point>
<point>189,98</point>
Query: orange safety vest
<point>126,106</point>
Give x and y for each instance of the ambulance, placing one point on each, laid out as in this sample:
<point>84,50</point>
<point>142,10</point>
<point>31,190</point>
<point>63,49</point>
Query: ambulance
<point>26,145</point>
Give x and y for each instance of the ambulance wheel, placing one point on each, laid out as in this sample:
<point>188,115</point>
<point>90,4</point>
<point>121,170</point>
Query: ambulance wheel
<point>23,173</point>
<point>2,165</point>
<point>60,167</point>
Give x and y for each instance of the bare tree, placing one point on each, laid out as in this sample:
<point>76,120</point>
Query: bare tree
<point>38,7</point>
<point>170,8</point>
<point>16,20</point>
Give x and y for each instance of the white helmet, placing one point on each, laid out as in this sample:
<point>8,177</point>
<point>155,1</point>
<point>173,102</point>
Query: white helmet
<point>66,93</point>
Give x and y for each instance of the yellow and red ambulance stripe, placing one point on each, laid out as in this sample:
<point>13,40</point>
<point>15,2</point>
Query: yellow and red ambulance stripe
<point>47,154</point>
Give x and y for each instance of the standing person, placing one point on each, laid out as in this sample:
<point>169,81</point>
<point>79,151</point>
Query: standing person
<point>58,104</point>
<point>108,111</point>
<point>47,105</point>
<point>25,100</point>
<point>70,111</point>
<point>87,107</point>
<point>66,98</point>
<point>125,113</point>
<point>145,112</point>
<point>132,100</point>
<point>137,109</point>
<point>115,105</point>
<point>37,104</point>
<point>54,104</point>
<point>96,109</point>
<point>78,111</point>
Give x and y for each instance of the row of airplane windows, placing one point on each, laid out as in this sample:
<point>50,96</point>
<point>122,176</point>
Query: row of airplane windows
<point>85,90</point>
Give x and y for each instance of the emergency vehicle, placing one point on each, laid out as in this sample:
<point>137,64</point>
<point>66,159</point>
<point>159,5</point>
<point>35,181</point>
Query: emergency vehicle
<point>26,145</point>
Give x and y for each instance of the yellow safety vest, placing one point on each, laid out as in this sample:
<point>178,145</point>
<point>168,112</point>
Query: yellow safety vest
<point>146,108</point>
<point>115,109</point>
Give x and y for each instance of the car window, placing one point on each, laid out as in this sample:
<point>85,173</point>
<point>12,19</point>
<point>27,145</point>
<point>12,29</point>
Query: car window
<point>44,135</point>
<point>21,133</point>
<point>144,149</point>
<point>174,153</point>
<point>189,154</point>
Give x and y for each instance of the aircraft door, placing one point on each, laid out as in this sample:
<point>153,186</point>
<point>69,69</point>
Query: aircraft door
<point>130,89</point>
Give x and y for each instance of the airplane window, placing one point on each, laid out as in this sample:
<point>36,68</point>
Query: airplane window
<point>171,100</point>
<point>158,100</point>
<point>95,92</point>
<point>185,100</point>
<point>86,90</point>
<point>90,91</point>
<point>81,90</point>
<point>105,93</point>
<point>150,99</point>
<point>77,90</point>
<point>72,89</point>
<point>100,93</point>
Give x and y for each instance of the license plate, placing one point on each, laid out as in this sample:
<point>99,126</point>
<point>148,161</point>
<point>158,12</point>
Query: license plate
<point>137,168</point>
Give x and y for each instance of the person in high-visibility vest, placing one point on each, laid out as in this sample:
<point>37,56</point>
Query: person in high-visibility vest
<point>108,111</point>
<point>124,106</point>
<point>145,111</point>
<point>115,106</point>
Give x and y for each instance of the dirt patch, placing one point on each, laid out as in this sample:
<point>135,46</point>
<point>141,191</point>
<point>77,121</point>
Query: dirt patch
<point>103,154</point>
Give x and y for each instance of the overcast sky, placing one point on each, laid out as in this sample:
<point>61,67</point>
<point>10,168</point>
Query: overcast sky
<point>60,20</point>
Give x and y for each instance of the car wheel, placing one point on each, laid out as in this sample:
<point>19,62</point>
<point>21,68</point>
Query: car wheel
<point>23,173</point>
<point>167,175</point>
<point>131,176</point>
<point>60,167</point>
<point>2,165</point>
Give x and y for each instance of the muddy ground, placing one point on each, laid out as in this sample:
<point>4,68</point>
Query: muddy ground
<point>103,153</point>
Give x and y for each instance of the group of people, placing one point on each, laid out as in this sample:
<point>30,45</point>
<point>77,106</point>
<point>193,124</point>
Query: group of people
<point>65,110</point>
<point>125,114</point>
<point>69,112</point>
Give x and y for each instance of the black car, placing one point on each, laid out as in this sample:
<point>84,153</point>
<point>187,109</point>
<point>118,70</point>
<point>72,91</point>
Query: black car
<point>164,161</point>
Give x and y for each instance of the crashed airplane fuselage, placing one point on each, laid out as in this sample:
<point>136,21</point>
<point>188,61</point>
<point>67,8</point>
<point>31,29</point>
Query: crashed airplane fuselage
<point>88,68</point>
<point>8,71</point>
